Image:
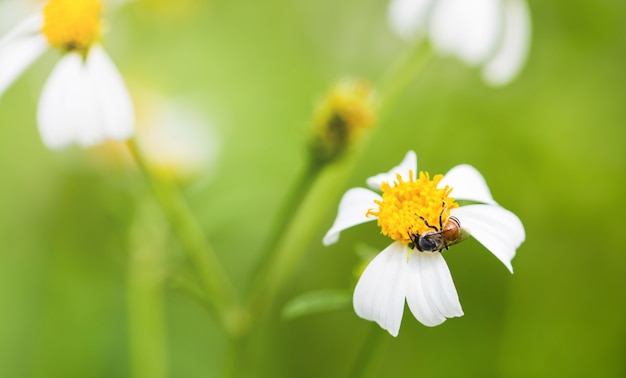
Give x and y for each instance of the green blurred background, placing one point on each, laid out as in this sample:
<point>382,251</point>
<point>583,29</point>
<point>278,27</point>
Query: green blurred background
<point>552,146</point>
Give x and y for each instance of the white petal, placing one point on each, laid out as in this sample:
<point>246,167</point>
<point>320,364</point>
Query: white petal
<point>467,184</point>
<point>379,294</point>
<point>431,293</point>
<point>408,17</point>
<point>66,111</point>
<point>27,28</point>
<point>84,102</point>
<point>498,229</point>
<point>19,48</point>
<point>467,29</point>
<point>11,11</point>
<point>352,209</point>
<point>113,100</point>
<point>513,50</point>
<point>408,164</point>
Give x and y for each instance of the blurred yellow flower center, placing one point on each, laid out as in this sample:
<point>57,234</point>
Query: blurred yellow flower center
<point>407,206</point>
<point>346,111</point>
<point>72,24</point>
<point>352,103</point>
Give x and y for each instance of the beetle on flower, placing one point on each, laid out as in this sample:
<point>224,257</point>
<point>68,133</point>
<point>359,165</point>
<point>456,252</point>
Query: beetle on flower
<point>85,100</point>
<point>415,207</point>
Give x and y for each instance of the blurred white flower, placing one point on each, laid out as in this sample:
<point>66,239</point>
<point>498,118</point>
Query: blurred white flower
<point>85,100</point>
<point>423,219</point>
<point>177,140</point>
<point>494,34</point>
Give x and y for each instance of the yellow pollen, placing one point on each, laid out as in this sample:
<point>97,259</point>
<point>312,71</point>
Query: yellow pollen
<point>72,24</point>
<point>405,203</point>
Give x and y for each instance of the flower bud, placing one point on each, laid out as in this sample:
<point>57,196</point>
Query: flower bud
<point>341,117</point>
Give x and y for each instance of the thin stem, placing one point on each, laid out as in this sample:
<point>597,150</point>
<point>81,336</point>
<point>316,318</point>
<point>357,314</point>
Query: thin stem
<point>283,250</point>
<point>284,219</point>
<point>371,352</point>
<point>182,282</point>
<point>242,356</point>
<point>146,270</point>
<point>207,266</point>
<point>281,260</point>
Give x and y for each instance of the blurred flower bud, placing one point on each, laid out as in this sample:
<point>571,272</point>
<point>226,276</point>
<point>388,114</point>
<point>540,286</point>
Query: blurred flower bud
<point>343,114</point>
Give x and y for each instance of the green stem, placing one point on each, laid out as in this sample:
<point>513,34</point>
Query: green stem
<point>297,224</point>
<point>183,282</point>
<point>213,278</point>
<point>291,207</point>
<point>283,250</point>
<point>242,358</point>
<point>275,267</point>
<point>146,272</point>
<point>369,357</point>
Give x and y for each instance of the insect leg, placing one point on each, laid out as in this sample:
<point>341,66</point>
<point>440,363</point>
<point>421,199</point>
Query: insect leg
<point>426,223</point>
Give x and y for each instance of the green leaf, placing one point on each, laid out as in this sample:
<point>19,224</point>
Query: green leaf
<point>315,302</point>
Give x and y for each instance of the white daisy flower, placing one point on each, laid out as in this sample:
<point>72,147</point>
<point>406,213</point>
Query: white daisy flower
<point>494,34</point>
<point>85,100</point>
<point>422,218</point>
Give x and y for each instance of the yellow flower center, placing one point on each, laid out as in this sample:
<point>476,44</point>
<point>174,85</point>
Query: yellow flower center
<point>352,102</point>
<point>409,207</point>
<point>72,24</point>
<point>344,114</point>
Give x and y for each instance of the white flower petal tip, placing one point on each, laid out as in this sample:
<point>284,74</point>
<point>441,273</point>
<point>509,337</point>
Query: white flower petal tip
<point>409,163</point>
<point>408,17</point>
<point>431,294</point>
<point>85,102</point>
<point>19,48</point>
<point>115,102</point>
<point>25,29</point>
<point>466,29</point>
<point>498,229</point>
<point>467,184</point>
<point>62,102</point>
<point>353,208</point>
<point>379,295</point>
<point>512,53</point>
